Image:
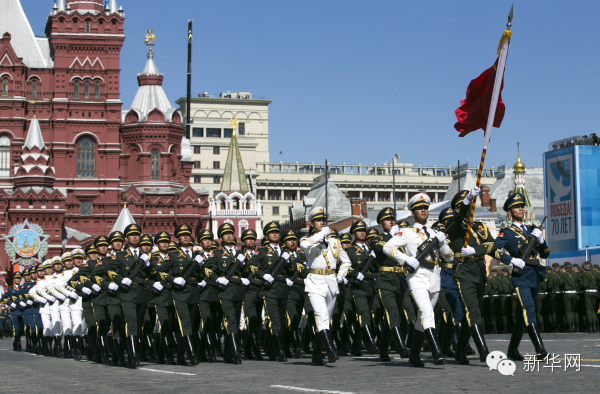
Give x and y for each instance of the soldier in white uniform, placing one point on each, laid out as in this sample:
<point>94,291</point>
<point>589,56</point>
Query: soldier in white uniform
<point>54,282</point>
<point>40,295</point>
<point>50,314</point>
<point>424,282</point>
<point>322,257</point>
<point>75,305</point>
<point>63,273</point>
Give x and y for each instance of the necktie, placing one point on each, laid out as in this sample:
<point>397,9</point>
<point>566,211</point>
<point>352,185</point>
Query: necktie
<point>426,232</point>
<point>135,253</point>
<point>188,253</point>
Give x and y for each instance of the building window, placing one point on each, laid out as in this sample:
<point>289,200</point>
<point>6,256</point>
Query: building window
<point>86,90</point>
<point>5,87</point>
<point>87,26</point>
<point>216,179</point>
<point>196,132</point>
<point>76,90</point>
<point>197,179</point>
<point>155,165</point>
<point>213,133</point>
<point>197,149</point>
<point>242,129</point>
<point>86,208</point>
<point>4,156</point>
<point>290,196</point>
<point>275,210</point>
<point>33,89</point>
<point>216,150</point>
<point>227,133</point>
<point>86,158</point>
<point>97,90</point>
<point>216,165</point>
<point>159,210</point>
<point>196,164</point>
<point>275,196</point>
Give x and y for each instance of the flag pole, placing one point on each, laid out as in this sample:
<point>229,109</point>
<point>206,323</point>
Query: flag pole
<point>503,53</point>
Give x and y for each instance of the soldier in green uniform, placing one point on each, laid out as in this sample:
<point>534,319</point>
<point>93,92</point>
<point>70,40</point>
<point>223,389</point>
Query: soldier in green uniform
<point>579,310</point>
<point>568,285</point>
<point>345,307</point>
<point>494,296</point>
<point>554,295</point>
<point>541,302</point>
<point>148,344</point>
<point>589,284</point>
<point>274,294</point>
<point>209,301</point>
<point>231,291</point>
<point>253,302</point>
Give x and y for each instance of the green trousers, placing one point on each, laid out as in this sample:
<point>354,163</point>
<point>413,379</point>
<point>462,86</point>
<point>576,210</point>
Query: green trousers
<point>275,309</point>
<point>471,295</point>
<point>134,313</point>
<point>569,301</point>
<point>186,313</point>
<point>232,312</point>
<point>590,306</point>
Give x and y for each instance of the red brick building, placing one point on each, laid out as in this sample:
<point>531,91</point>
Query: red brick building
<point>70,154</point>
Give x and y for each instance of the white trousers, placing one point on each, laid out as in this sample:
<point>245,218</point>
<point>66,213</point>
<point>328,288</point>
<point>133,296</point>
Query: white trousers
<point>46,319</point>
<point>65,317</point>
<point>55,317</point>
<point>426,302</point>
<point>323,307</point>
<point>76,311</point>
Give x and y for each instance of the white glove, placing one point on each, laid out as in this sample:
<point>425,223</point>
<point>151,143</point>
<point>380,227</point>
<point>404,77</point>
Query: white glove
<point>289,282</point>
<point>340,279</point>
<point>394,230</point>
<point>245,281</point>
<point>441,237</point>
<point>468,251</point>
<point>157,286</point>
<point>43,301</point>
<point>222,281</point>
<point>23,305</point>
<point>474,192</point>
<point>13,305</point>
<point>345,281</point>
<point>202,284</point>
<point>241,258</point>
<point>61,297</point>
<point>413,262</point>
<point>96,288</point>
<point>373,254</point>
<point>52,299</point>
<point>360,276</point>
<point>517,262</point>
<point>126,281</point>
<point>29,302</point>
<point>198,259</point>
<point>538,234</point>
<point>285,256</point>
<point>325,231</point>
<point>113,287</point>
<point>144,257</point>
<point>87,291</point>
<point>73,296</point>
<point>268,278</point>
<point>179,281</point>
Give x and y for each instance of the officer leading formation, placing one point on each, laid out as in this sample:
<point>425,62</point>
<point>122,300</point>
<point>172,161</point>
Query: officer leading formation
<point>132,298</point>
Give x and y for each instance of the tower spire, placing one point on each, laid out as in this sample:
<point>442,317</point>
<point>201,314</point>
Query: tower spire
<point>234,176</point>
<point>112,7</point>
<point>34,136</point>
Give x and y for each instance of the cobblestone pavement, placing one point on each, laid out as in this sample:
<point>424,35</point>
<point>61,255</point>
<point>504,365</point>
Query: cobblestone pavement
<point>25,373</point>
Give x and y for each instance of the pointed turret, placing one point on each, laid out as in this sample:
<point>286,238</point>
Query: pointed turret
<point>124,220</point>
<point>61,5</point>
<point>35,169</point>
<point>34,136</point>
<point>112,7</point>
<point>519,173</point>
<point>234,176</point>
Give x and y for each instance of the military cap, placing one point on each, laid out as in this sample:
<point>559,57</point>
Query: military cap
<point>318,213</point>
<point>183,229</point>
<point>555,265</point>
<point>77,254</point>
<point>146,240</point>
<point>163,236</point>
<point>290,234</point>
<point>445,214</point>
<point>438,226</point>
<point>333,233</point>
<point>358,226</point>
<point>173,246</point>
<point>513,200</point>
<point>271,227</point>
<point>17,275</point>
<point>587,263</point>
<point>567,264</point>
<point>91,249</point>
<point>66,257</point>
<point>206,234</point>
<point>115,236</point>
<point>56,260</point>
<point>596,266</point>
<point>385,213</point>
<point>214,245</point>
<point>264,241</point>
<point>576,265</point>
<point>505,269</point>
<point>132,229</point>
<point>458,198</point>
<point>47,264</point>
<point>248,234</point>
<point>346,238</point>
<point>372,233</point>
<point>26,272</point>
<point>403,224</point>
<point>224,229</point>
<point>419,200</point>
<point>101,241</point>
<point>38,268</point>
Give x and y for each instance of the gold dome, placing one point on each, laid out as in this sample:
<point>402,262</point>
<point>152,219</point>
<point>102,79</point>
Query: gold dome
<point>519,167</point>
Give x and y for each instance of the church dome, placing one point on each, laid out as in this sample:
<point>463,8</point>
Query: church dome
<point>519,167</point>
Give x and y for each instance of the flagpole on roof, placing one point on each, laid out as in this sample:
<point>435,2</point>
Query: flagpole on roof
<point>502,54</point>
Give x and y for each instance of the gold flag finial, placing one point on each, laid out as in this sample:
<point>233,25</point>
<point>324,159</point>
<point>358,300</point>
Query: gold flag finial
<point>150,37</point>
<point>233,122</point>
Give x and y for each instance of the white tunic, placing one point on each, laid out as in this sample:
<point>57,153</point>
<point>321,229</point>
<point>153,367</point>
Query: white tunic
<point>410,239</point>
<point>319,256</point>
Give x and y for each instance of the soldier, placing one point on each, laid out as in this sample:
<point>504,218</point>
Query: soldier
<point>589,283</point>
<point>526,284</point>
<point>62,286</point>
<point>45,299</point>
<point>61,320</point>
<point>569,295</point>
<point>253,302</point>
<point>345,307</point>
<point>321,284</point>
<point>230,291</point>
<point>495,301</point>
<point>541,301</point>
<point>14,296</point>
<point>555,297</point>
<point>423,282</point>
<point>209,300</point>
<point>29,312</point>
<point>38,303</point>
<point>148,341</point>
<point>579,310</point>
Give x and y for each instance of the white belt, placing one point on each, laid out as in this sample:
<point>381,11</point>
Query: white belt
<point>591,291</point>
<point>514,294</point>
<point>495,295</point>
<point>570,291</point>
<point>508,295</point>
<point>540,292</point>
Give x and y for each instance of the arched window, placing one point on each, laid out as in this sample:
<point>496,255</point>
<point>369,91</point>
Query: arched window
<point>4,156</point>
<point>76,90</point>
<point>5,87</point>
<point>97,90</point>
<point>86,158</point>
<point>33,89</point>
<point>86,90</point>
<point>235,203</point>
<point>87,25</point>
<point>155,165</point>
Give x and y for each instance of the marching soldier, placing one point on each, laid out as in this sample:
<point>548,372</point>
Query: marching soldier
<point>321,284</point>
<point>569,296</point>
<point>253,302</point>
<point>554,295</point>
<point>209,300</point>
<point>76,307</point>
<point>148,352</point>
<point>505,290</point>
<point>526,284</point>
<point>345,306</point>
<point>541,301</point>
<point>14,296</point>
<point>589,282</point>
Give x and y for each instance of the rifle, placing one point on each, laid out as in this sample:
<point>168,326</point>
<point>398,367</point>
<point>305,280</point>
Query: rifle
<point>364,269</point>
<point>191,268</point>
<point>280,263</point>
<point>423,251</point>
<point>232,269</point>
<point>133,273</point>
<point>526,250</point>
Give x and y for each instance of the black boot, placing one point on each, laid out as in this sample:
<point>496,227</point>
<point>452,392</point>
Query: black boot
<point>58,350</point>
<point>297,343</point>
<point>570,327</point>
<point>119,346</point>
<point>357,336</point>
<point>534,334</point>
<point>368,339</point>
<point>77,345</point>
<point>27,341</point>
<point>167,349</point>
<point>150,346</point>
<point>447,340</point>
<point>478,338</point>
<point>327,342</point>
<point>103,342</point>
<point>307,338</point>
<point>400,346</point>
<point>132,352</point>
<point>463,334</point>
<point>46,342</point>
<point>255,346</point>
<point>190,349</point>
<point>513,346</point>
<point>280,351</point>
<point>67,347</point>
<point>436,349</point>
<point>415,349</point>
<point>208,338</point>
<point>384,345</point>
<point>234,344</point>
<point>317,357</point>
<point>411,330</point>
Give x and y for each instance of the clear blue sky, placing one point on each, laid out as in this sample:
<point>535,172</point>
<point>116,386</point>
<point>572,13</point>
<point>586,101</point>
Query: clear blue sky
<point>356,81</point>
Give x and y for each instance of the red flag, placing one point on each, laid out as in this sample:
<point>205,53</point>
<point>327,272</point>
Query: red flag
<point>474,110</point>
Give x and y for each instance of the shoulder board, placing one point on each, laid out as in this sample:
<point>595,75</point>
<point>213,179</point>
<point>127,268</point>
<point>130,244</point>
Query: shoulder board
<point>300,251</point>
